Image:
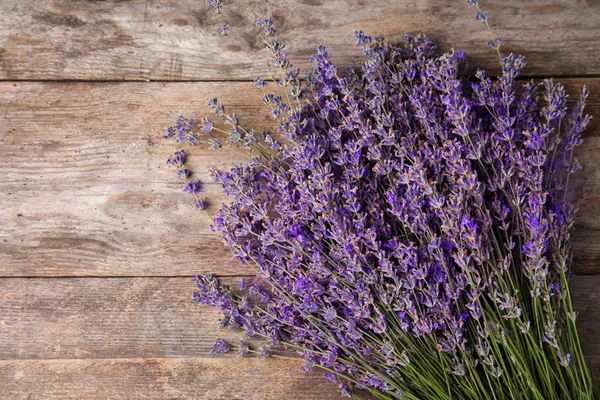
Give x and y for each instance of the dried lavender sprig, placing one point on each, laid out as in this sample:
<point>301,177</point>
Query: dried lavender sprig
<point>506,192</point>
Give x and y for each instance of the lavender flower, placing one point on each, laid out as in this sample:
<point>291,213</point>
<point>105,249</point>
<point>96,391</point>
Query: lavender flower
<point>216,5</point>
<point>224,30</point>
<point>184,126</point>
<point>192,187</point>
<point>259,83</point>
<point>411,226</point>
<point>207,126</point>
<point>263,352</point>
<point>220,347</point>
<point>169,132</point>
<point>215,144</point>
<point>183,173</point>
<point>242,349</point>
<point>177,158</point>
<point>200,204</point>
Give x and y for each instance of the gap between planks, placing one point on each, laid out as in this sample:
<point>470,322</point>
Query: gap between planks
<point>521,78</point>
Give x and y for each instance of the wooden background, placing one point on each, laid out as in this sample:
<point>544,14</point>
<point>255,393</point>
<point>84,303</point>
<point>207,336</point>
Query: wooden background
<point>97,244</point>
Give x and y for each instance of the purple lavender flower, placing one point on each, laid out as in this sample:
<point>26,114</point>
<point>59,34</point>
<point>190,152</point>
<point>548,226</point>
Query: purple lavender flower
<point>192,187</point>
<point>263,352</point>
<point>169,132</point>
<point>177,158</point>
<point>201,204</point>
<point>412,211</point>
<point>183,173</point>
<point>207,126</point>
<point>220,347</point>
<point>259,83</point>
<point>224,30</point>
<point>481,16</point>
<point>215,144</point>
<point>242,349</point>
<point>216,5</point>
<point>183,127</point>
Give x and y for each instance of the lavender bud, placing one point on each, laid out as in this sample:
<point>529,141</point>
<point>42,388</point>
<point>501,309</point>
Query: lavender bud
<point>192,187</point>
<point>183,173</point>
<point>242,349</point>
<point>220,347</point>
<point>224,30</point>
<point>200,204</point>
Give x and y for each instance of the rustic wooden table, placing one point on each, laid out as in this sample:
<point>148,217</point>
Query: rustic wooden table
<point>97,244</point>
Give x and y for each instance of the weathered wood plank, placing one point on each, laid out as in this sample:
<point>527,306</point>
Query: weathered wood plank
<point>586,298</point>
<point>210,379</point>
<point>179,378</point>
<point>82,162</point>
<point>179,40</point>
<point>143,337</point>
<point>105,318</point>
<point>135,229</point>
<point>127,229</point>
<point>70,133</point>
<point>63,318</point>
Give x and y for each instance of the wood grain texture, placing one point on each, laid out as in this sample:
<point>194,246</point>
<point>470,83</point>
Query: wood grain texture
<point>86,192</point>
<point>72,318</point>
<point>179,39</point>
<point>187,378</point>
<point>97,244</point>
<point>105,318</point>
<point>127,229</point>
<point>144,338</point>
<point>206,379</point>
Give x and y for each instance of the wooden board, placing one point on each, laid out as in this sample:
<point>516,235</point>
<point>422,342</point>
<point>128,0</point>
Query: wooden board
<point>86,191</point>
<point>143,337</point>
<point>164,378</point>
<point>179,39</point>
<point>97,244</point>
<point>105,318</point>
<point>202,379</point>
<point>65,318</point>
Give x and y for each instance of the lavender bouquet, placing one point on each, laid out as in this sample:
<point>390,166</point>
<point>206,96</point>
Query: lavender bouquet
<point>409,230</point>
